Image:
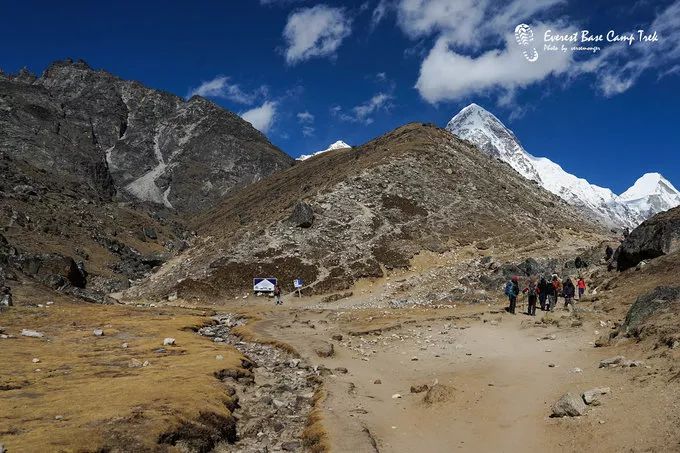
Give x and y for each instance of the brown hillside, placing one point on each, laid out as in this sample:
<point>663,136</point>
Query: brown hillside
<point>414,189</point>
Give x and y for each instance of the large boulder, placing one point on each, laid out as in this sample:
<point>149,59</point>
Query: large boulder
<point>655,237</point>
<point>661,299</point>
<point>53,269</point>
<point>302,216</point>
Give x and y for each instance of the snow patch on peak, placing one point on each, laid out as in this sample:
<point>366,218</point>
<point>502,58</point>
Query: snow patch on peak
<point>337,145</point>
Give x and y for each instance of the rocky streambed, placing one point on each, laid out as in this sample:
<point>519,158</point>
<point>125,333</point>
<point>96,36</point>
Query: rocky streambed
<point>275,394</point>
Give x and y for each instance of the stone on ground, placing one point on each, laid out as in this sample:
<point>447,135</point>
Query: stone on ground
<point>569,405</point>
<point>590,396</point>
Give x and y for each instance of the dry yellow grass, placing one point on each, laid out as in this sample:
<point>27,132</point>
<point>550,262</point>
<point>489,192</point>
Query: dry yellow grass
<point>85,396</point>
<point>315,436</point>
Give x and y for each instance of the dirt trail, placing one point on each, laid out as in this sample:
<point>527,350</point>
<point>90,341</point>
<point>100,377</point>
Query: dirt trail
<point>504,371</point>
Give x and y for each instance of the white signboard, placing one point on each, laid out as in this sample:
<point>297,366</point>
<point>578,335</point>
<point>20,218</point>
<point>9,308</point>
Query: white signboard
<point>264,285</point>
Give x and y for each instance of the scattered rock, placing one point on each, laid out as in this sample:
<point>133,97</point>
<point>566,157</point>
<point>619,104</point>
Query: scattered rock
<point>612,361</point>
<point>36,360</point>
<point>341,370</point>
<point>98,332</point>
<point>124,346</point>
<point>135,363</point>
<point>291,446</point>
<point>150,233</point>
<point>219,357</point>
<point>377,382</point>
<point>396,396</point>
<point>324,349</point>
<point>632,363</point>
<point>337,337</point>
<point>438,393</point>
<point>576,370</point>
<point>590,396</point>
<point>294,363</point>
<point>169,342</point>
<point>420,388</point>
<point>31,333</point>
<point>603,341</point>
<point>569,405</point>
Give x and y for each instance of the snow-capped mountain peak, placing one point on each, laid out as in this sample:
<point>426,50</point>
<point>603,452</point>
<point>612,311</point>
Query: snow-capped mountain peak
<point>651,194</point>
<point>337,145</point>
<point>650,184</point>
<point>479,126</point>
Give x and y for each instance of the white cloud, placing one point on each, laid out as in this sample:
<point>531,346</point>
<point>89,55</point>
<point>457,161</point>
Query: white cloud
<point>262,117</point>
<point>446,75</point>
<point>219,87</point>
<point>619,66</point>
<point>469,23</point>
<point>362,113</point>
<point>455,67</point>
<point>315,32</point>
<point>305,117</point>
<point>380,12</point>
<point>307,120</point>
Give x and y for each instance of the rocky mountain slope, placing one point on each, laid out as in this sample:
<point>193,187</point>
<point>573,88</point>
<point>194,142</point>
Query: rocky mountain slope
<point>650,195</point>
<point>91,166</point>
<point>118,136</point>
<point>355,213</point>
<point>337,145</point>
<point>69,237</point>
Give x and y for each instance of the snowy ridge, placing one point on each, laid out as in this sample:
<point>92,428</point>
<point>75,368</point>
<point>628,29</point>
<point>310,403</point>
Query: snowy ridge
<point>337,145</point>
<point>649,195</point>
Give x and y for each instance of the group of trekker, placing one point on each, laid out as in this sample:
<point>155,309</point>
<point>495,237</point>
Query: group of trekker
<point>544,291</point>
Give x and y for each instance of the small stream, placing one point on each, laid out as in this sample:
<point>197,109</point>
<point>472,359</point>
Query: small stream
<point>274,401</point>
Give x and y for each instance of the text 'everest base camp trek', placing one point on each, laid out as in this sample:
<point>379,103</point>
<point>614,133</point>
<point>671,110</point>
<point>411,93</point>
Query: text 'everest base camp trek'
<point>170,280</point>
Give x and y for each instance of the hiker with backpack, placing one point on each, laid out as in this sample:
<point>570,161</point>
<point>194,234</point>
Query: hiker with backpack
<point>608,252</point>
<point>543,290</point>
<point>532,291</point>
<point>512,291</point>
<point>277,294</point>
<point>569,291</point>
<point>581,284</point>
<point>555,290</point>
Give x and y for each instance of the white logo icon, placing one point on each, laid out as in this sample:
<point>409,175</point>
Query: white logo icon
<point>525,36</point>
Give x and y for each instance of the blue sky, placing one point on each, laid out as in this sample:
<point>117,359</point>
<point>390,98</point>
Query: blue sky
<point>310,73</point>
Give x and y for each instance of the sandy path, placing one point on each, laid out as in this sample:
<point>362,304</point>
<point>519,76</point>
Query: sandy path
<point>503,383</point>
<point>498,366</point>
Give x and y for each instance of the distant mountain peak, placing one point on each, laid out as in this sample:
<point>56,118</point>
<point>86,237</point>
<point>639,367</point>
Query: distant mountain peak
<point>652,193</point>
<point>337,145</point>
<point>649,184</point>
